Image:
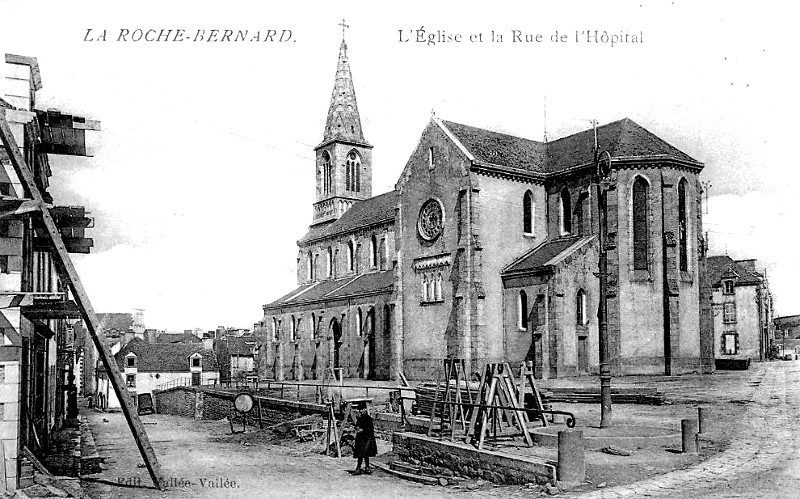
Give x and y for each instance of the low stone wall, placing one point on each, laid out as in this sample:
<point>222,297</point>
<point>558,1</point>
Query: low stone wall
<point>467,461</point>
<point>179,401</point>
<point>215,404</point>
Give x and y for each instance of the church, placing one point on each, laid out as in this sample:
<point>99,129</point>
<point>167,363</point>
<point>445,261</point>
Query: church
<point>487,250</point>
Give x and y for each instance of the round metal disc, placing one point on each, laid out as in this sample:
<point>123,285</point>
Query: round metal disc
<point>243,402</point>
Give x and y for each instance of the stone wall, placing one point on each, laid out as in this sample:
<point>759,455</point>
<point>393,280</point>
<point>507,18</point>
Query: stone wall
<point>211,404</point>
<point>180,401</point>
<point>496,467</point>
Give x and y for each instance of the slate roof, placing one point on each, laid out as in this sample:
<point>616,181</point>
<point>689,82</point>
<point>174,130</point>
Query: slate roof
<point>720,266</point>
<point>788,323</point>
<point>499,148</point>
<point>622,139</point>
<point>241,345</point>
<point>542,257</point>
<point>374,210</point>
<point>177,338</point>
<point>165,357</point>
<point>373,282</point>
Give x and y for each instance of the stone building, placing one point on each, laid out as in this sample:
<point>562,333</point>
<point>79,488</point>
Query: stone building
<point>785,339</point>
<point>743,313</point>
<point>486,250</point>
<point>37,353</point>
<point>147,366</point>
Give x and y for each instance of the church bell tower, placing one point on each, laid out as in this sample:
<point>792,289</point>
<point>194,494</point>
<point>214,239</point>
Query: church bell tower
<point>344,157</point>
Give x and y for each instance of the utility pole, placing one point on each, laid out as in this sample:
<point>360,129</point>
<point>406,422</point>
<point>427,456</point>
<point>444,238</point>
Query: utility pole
<point>601,172</point>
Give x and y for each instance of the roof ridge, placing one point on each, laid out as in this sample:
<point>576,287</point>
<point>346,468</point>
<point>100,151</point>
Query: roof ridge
<point>493,131</point>
<point>589,130</point>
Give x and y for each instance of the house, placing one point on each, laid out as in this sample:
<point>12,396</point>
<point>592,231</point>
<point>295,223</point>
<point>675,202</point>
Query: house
<point>487,250</point>
<point>743,313</point>
<point>786,337</point>
<point>146,366</point>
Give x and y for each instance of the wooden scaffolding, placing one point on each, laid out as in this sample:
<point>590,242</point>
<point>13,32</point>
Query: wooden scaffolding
<point>69,275</point>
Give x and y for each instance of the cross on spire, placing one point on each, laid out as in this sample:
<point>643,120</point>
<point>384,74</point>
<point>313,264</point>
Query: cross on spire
<point>343,25</point>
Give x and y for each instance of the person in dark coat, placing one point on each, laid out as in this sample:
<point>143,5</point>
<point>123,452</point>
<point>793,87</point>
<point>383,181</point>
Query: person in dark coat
<point>365,446</point>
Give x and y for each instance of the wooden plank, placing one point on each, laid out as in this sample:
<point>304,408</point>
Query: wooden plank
<point>435,401</point>
<point>9,208</point>
<point>489,398</point>
<point>476,411</point>
<point>521,417</point>
<point>35,462</point>
<point>67,272</point>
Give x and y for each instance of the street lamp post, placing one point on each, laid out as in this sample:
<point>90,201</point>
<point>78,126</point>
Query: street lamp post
<point>602,172</point>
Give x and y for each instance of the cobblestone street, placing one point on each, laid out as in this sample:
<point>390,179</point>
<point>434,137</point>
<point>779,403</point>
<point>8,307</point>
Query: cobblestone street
<point>762,461</point>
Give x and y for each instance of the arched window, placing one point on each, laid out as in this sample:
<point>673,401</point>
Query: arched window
<point>382,253</point>
<point>350,255</point>
<point>353,172</point>
<point>424,288</point>
<point>578,215</point>
<point>387,321</point>
<point>327,174</point>
<point>329,262</point>
<point>274,331</point>
<point>316,267</point>
<point>527,212</point>
<point>310,267</point>
<point>359,323</point>
<point>293,330</point>
<point>313,326</point>
<point>373,251</point>
<point>640,224</point>
<point>580,308</point>
<point>336,263</point>
<point>438,288</point>
<point>565,212</point>
<point>431,162</point>
<point>371,322</point>
<point>522,309</point>
<point>682,227</point>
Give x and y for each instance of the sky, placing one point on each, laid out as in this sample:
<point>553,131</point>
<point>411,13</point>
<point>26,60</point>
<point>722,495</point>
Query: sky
<point>202,178</point>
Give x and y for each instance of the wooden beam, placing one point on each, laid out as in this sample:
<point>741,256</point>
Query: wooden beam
<point>68,272</point>
<point>16,207</point>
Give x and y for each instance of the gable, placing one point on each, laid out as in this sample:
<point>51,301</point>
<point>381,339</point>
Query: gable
<point>449,157</point>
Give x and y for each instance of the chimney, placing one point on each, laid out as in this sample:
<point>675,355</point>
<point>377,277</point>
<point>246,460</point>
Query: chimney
<point>208,343</point>
<point>127,337</point>
<point>151,335</point>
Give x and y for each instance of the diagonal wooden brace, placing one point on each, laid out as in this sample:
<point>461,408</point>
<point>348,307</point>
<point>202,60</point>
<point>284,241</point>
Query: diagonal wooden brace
<point>68,273</point>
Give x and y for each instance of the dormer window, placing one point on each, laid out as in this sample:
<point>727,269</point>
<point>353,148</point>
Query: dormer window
<point>728,287</point>
<point>196,361</point>
<point>130,360</point>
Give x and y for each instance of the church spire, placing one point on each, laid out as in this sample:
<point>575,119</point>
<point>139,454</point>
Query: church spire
<point>344,122</point>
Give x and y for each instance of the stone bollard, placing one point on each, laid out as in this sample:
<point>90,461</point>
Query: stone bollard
<point>689,436</point>
<point>571,465</point>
